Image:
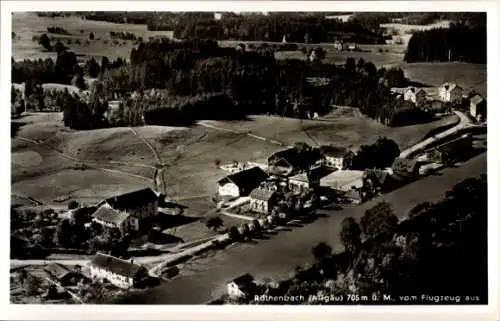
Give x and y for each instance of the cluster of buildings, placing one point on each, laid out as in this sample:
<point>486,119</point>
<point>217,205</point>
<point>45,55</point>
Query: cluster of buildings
<point>295,170</point>
<point>447,93</point>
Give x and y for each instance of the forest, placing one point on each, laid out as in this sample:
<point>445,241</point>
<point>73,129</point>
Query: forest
<point>273,27</point>
<point>460,42</point>
<point>253,81</point>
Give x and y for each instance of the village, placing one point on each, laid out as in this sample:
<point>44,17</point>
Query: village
<point>292,184</point>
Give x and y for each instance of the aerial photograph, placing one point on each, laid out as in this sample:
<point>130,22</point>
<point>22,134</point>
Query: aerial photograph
<point>248,158</point>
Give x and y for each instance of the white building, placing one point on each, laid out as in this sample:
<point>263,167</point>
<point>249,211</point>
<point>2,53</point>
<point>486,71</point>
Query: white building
<point>337,157</point>
<point>241,183</point>
<point>262,200</point>
<point>241,287</point>
<point>415,95</point>
<point>478,107</point>
<point>121,273</point>
<point>450,92</point>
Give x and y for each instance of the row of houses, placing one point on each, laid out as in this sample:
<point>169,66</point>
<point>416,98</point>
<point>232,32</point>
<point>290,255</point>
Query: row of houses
<point>448,93</point>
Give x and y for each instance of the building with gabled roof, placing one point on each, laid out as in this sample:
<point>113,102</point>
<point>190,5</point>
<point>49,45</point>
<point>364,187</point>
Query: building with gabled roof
<point>63,274</point>
<point>262,200</point>
<point>337,157</point>
<point>241,287</point>
<point>450,92</point>
<point>477,107</point>
<point>122,273</point>
<point>241,183</point>
<point>107,216</point>
<point>416,95</point>
<point>139,204</point>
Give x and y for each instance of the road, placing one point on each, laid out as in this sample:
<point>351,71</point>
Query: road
<point>278,256</point>
<point>464,122</point>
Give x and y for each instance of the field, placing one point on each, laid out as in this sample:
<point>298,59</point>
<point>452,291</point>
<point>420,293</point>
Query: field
<point>26,25</point>
<point>44,153</point>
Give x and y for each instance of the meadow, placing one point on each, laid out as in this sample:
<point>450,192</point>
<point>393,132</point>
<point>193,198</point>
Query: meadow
<point>25,25</point>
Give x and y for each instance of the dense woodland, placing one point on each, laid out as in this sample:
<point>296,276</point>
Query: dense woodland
<point>428,253</point>
<point>296,28</point>
<point>253,81</point>
<point>460,42</point>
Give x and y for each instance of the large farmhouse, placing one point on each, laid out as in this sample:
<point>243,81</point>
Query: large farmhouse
<point>126,211</point>
<point>293,160</point>
<point>119,272</point>
<point>241,183</point>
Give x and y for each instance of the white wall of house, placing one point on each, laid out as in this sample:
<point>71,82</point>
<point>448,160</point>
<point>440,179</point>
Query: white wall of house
<point>453,95</point>
<point>228,189</point>
<point>121,281</point>
<point>298,186</point>
<point>260,206</point>
<point>234,291</point>
<point>335,162</point>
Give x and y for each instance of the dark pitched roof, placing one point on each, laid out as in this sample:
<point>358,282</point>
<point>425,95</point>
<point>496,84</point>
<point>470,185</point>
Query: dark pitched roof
<point>335,151</point>
<point>378,175</point>
<point>297,159</point>
<point>247,179</point>
<point>476,100</point>
<point>133,199</point>
<point>108,214</point>
<point>116,265</point>
<point>262,194</point>
<point>243,280</point>
<point>57,270</point>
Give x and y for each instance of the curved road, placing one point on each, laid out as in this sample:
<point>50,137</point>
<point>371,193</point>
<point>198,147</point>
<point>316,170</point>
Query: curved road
<point>278,256</point>
<point>464,123</point>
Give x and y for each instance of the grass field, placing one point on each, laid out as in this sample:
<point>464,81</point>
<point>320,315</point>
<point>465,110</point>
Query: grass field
<point>26,25</point>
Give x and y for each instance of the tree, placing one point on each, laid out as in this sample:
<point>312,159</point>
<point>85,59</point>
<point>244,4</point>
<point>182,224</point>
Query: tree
<point>244,230</point>
<point>92,68</point>
<point>91,36</point>
<point>256,225</point>
<point>78,81</point>
<point>64,235</point>
<point>234,234</point>
<point>73,205</point>
<point>350,235</point>
<point>321,252</point>
<point>44,41</point>
<point>214,223</point>
<point>380,219</point>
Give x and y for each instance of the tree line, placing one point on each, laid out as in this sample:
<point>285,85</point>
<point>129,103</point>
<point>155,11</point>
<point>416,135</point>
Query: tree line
<point>460,42</point>
<point>276,27</point>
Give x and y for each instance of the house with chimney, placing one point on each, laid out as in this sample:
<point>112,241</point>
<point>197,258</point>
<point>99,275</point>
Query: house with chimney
<point>121,273</point>
<point>126,211</point>
<point>450,92</point>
